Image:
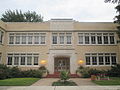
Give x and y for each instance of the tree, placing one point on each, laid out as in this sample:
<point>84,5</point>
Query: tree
<point>117,18</point>
<point>19,16</point>
<point>113,1</point>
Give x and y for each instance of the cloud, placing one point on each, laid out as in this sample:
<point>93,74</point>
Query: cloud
<point>80,10</point>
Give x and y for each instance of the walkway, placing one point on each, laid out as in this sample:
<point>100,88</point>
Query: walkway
<point>60,88</point>
<point>49,81</point>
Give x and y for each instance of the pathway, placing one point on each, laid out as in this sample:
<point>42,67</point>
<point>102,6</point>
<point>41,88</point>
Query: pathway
<point>49,81</point>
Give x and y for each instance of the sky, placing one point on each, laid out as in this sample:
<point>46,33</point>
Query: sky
<point>79,10</point>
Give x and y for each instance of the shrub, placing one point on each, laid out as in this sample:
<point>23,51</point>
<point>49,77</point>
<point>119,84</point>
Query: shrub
<point>4,71</point>
<point>114,71</point>
<point>64,75</point>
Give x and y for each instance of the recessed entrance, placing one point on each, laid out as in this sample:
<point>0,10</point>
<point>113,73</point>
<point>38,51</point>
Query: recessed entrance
<point>61,63</point>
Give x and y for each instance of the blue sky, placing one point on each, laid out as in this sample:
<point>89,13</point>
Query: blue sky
<point>79,10</point>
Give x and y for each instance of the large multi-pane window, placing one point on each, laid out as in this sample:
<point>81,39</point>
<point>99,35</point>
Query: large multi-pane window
<point>96,38</point>
<point>61,38</point>
<point>27,38</point>
<point>100,58</point>
<point>23,59</point>
<point>1,36</point>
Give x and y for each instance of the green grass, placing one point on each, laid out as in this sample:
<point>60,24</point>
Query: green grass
<point>18,81</point>
<point>112,81</point>
<point>66,83</point>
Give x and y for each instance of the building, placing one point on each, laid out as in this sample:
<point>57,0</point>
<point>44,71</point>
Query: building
<point>59,44</point>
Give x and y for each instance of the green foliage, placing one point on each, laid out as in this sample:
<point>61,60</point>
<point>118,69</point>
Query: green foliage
<point>64,75</point>
<point>114,71</point>
<point>14,72</point>
<point>19,16</point>
<point>4,71</point>
<point>113,1</point>
<point>86,72</point>
<point>66,83</point>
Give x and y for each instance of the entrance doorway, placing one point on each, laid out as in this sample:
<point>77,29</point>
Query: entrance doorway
<point>61,63</point>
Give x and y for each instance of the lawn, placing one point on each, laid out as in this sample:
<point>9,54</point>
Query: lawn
<point>66,83</point>
<point>112,81</point>
<point>18,81</point>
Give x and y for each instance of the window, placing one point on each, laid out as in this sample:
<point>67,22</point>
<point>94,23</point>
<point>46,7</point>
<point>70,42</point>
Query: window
<point>86,38</point>
<point>24,38</point>
<point>93,39</point>
<point>103,58</point>
<point>68,36</point>
<point>87,60</point>
<point>107,59</point>
<point>17,40</point>
<point>29,60</point>
<point>30,38</point>
<point>61,37</point>
<point>9,60</point>
<point>22,60</point>
<point>42,38</point>
<point>35,60</point>
<point>80,38</point>
<point>101,62</point>
<point>54,39</point>
<point>16,60</point>
<point>1,37</point>
<point>113,59</point>
<point>112,41</point>
<point>11,39</point>
<point>94,60</point>
<point>99,38</point>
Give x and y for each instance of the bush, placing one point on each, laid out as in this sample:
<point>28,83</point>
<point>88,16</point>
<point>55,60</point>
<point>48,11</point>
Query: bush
<point>4,71</point>
<point>114,71</point>
<point>15,72</point>
<point>86,72</point>
<point>64,75</point>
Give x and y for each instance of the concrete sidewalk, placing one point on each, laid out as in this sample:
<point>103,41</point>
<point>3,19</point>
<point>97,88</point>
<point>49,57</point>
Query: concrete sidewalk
<point>60,88</point>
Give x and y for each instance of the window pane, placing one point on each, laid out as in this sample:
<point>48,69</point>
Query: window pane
<point>113,60</point>
<point>11,39</point>
<point>99,39</point>
<point>54,39</point>
<point>105,39</point>
<point>9,61</point>
<point>36,39</point>
<point>35,60</point>
<point>94,60</point>
<point>86,39</point>
<point>1,36</point>
<point>93,40</point>
<point>68,39</point>
<point>16,60</point>
<point>17,40</point>
<point>87,60</point>
<point>61,39</point>
<point>23,39</point>
<point>29,60</point>
<point>30,38</point>
<point>22,60</point>
<point>107,60</point>
<point>80,39</point>
<point>112,41</point>
<point>101,62</point>
<point>42,40</point>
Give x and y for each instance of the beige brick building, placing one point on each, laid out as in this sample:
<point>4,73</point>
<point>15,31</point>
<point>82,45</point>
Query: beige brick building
<point>59,44</point>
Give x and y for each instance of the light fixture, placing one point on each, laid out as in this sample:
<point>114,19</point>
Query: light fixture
<point>80,62</point>
<point>43,62</point>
